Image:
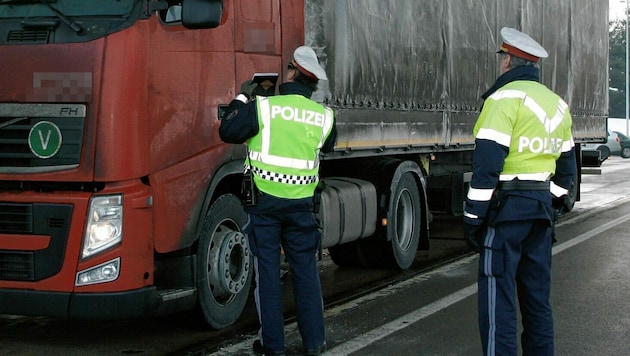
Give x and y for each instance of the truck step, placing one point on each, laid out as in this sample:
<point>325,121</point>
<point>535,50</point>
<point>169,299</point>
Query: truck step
<point>175,293</point>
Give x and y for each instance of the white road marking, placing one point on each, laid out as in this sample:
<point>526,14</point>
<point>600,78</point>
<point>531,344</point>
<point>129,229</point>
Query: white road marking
<point>584,209</point>
<point>383,331</point>
<point>387,329</point>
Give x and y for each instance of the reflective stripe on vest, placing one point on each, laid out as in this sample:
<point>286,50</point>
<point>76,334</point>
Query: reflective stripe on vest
<point>284,178</point>
<point>550,124</point>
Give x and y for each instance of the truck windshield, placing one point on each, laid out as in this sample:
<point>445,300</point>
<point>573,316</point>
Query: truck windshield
<point>69,20</point>
<point>73,8</point>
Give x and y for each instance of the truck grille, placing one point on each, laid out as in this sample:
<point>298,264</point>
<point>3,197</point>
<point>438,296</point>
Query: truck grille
<point>17,266</point>
<point>16,218</point>
<point>40,137</point>
<point>38,219</point>
<point>28,36</point>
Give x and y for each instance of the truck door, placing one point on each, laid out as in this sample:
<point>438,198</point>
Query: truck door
<point>257,38</point>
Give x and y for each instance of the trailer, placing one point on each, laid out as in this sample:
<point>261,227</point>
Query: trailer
<point>119,200</point>
<point>406,80</point>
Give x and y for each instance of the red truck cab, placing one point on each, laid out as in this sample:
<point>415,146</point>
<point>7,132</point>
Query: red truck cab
<point>117,197</point>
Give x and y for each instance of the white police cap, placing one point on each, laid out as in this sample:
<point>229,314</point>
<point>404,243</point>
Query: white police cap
<point>521,45</point>
<point>305,59</point>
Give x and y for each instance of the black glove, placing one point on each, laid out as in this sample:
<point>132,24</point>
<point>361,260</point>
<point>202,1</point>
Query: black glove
<point>473,234</point>
<point>560,203</point>
<point>247,88</point>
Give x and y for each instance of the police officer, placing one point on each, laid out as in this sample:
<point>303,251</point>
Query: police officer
<point>523,167</point>
<point>284,135</point>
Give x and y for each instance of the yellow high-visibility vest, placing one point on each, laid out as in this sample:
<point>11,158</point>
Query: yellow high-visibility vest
<point>532,121</point>
<point>284,155</point>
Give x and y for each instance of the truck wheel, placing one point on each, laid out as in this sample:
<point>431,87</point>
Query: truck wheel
<point>224,263</point>
<point>398,242</point>
<point>625,152</point>
<point>403,229</point>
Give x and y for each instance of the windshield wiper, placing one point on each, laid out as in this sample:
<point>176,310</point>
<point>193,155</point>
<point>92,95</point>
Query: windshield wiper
<point>70,23</point>
<point>5,2</point>
<point>73,25</point>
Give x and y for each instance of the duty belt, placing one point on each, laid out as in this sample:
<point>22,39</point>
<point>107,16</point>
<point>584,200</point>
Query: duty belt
<point>523,185</point>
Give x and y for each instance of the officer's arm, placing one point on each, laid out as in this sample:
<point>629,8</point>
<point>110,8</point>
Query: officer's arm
<point>331,140</point>
<point>239,123</point>
<point>563,179</point>
<point>488,159</point>
<point>565,172</point>
<point>565,175</point>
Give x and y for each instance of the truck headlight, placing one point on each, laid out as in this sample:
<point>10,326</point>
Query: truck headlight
<point>104,225</point>
<point>105,272</point>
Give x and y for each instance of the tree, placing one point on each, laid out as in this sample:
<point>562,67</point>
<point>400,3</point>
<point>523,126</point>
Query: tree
<point>617,69</point>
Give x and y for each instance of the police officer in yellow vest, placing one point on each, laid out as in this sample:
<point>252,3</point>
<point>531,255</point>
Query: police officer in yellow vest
<point>284,135</point>
<point>523,168</point>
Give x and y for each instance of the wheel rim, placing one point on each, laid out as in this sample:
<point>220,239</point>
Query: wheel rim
<point>404,220</point>
<point>228,262</point>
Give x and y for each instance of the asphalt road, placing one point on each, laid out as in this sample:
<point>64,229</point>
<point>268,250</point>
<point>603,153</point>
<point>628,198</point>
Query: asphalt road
<point>431,313</point>
<point>435,313</point>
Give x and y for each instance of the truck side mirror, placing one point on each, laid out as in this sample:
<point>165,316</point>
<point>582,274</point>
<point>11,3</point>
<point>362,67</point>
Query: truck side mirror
<point>198,14</point>
<point>173,14</point>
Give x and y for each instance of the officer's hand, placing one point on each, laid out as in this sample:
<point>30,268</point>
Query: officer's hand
<point>561,202</point>
<point>473,234</point>
<point>247,88</point>
<point>557,202</point>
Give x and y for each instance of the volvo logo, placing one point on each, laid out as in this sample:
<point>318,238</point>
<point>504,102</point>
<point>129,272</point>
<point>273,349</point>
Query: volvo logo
<point>44,139</point>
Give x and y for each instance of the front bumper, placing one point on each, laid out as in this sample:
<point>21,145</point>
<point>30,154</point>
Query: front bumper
<point>115,305</point>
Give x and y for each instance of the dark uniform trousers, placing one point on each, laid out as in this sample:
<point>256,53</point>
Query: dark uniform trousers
<point>516,260</point>
<point>288,222</point>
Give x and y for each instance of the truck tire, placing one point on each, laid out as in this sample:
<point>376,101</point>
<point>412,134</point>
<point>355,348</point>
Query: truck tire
<point>398,241</point>
<point>403,229</point>
<point>224,263</point>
